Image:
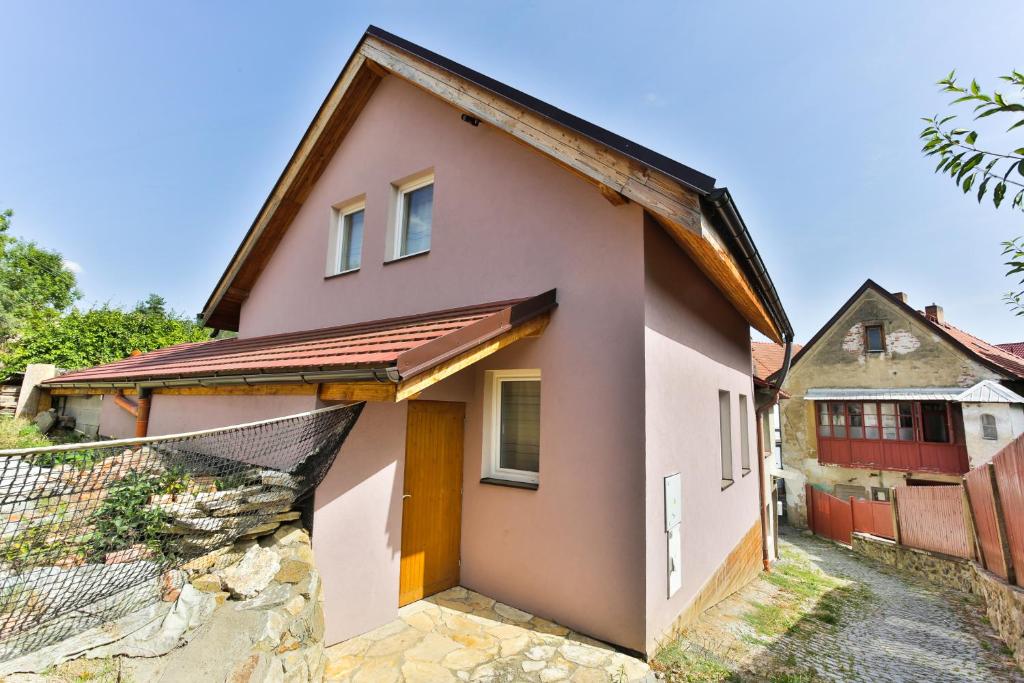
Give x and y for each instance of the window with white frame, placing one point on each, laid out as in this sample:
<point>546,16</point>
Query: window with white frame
<point>350,238</point>
<point>744,436</point>
<point>414,216</point>
<point>988,427</point>
<point>725,431</point>
<point>512,426</point>
<point>345,246</point>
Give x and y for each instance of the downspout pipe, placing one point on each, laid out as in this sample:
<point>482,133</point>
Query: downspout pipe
<point>759,409</point>
<point>142,414</point>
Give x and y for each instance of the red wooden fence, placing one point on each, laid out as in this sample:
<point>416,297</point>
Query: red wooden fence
<point>932,518</point>
<point>1009,471</point>
<point>986,522</point>
<point>837,519</point>
<point>872,517</point>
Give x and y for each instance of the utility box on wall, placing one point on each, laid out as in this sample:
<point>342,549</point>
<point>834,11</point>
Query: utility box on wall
<point>673,518</point>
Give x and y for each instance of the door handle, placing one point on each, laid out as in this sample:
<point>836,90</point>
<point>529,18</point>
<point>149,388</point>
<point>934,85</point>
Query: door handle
<point>407,495</point>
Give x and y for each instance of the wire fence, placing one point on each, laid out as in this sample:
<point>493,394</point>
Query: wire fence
<point>90,532</point>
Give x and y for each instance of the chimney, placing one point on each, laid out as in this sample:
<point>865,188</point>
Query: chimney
<point>902,296</point>
<point>934,312</point>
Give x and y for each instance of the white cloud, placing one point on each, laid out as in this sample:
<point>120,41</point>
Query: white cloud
<point>72,266</point>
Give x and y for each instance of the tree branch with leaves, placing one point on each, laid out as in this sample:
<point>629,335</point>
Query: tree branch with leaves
<point>972,167</point>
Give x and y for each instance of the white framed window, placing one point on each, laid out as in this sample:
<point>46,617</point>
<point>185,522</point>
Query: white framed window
<point>345,252</point>
<point>989,430</point>
<point>512,425</point>
<point>744,436</point>
<point>725,436</point>
<point>413,217</point>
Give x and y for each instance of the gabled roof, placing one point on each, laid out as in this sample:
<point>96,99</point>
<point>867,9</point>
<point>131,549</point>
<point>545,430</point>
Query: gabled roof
<point>987,391</point>
<point>385,350</point>
<point>989,355</point>
<point>676,195</point>
<point>768,358</point>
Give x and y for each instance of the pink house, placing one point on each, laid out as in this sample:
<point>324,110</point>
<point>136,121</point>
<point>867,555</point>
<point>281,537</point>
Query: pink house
<point>550,325</point>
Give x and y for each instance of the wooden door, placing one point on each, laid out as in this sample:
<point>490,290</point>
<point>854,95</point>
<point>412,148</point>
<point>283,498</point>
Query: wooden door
<point>432,500</point>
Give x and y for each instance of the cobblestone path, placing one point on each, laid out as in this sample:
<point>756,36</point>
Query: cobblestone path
<point>905,630</point>
<point>880,626</point>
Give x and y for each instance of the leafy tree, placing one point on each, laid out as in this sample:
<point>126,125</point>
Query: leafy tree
<point>975,168</point>
<point>33,281</point>
<point>100,335</point>
<point>154,305</point>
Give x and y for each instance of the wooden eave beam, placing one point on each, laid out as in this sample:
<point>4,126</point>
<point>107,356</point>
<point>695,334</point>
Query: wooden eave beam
<point>412,386</point>
<point>706,250</point>
<point>618,177</point>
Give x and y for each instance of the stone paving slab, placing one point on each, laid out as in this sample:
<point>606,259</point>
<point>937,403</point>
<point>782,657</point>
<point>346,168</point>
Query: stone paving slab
<point>459,635</point>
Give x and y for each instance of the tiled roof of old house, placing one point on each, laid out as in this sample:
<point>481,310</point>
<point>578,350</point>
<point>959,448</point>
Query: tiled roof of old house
<point>407,345</point>
<point>1006,360</point>
<point>1016,348</point>
<point>768,358</point>
<point>995,357</point>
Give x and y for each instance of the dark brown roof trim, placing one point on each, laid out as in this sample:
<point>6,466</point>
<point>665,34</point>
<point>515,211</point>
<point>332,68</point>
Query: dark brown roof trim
<point>692,178</point>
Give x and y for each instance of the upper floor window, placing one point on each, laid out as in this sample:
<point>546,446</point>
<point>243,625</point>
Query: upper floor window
<point>725,435</point>
<point>988,427</point>
<point>345,251</point>
<point>351,238</point>
<point>414,211</point>
<point>874,339</point>
<point>890,421</point>
<point>512,427</point>
<point>744,436</point>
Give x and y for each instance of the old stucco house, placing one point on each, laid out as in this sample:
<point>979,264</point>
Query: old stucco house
<point>885,395</point>
<point>550,327</point>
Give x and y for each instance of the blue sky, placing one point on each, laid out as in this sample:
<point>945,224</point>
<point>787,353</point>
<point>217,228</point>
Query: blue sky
<point>140,139</point>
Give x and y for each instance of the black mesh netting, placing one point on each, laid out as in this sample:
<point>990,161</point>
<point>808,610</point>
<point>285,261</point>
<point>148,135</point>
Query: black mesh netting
<point>90,530</point>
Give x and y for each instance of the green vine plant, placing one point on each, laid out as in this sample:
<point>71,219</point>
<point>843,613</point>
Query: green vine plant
<point>973,168</point>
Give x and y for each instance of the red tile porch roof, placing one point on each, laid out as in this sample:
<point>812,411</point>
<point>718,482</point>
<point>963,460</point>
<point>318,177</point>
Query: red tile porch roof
<point>408,345</point>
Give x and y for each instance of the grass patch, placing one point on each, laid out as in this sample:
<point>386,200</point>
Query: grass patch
<point>681,664</point>
<point>16,432</point>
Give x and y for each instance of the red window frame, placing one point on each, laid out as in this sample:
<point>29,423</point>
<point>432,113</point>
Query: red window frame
<point>828,409</point>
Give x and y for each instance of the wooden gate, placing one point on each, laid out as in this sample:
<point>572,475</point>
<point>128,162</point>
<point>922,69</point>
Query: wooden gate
<point>829,516</point>
<point>837,519</point>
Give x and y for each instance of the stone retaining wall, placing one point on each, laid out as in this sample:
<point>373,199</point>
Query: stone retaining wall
<point>1004,604</point>
<point>945,570</point>
<point>248,612</point>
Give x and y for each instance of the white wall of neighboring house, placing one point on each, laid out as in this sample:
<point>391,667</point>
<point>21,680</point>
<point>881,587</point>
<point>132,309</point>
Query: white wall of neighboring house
<point>1009,425</point>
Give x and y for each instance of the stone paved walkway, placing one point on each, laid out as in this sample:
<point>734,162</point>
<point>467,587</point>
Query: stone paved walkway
<point>892,628</point>
<point>461,635</point>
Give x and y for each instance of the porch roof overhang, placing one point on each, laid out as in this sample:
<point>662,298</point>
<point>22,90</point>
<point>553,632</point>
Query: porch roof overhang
<point>383,360</point>
<point>902,394</point>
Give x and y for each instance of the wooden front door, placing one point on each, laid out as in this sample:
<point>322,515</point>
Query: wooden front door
<point>432,500</point>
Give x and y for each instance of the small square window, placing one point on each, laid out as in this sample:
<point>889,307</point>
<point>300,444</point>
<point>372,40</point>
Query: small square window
<point>989,430</point>
<point>351,236</point>
<point>512,428</point>
<point>414,215</point>
<point>874,339</point>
